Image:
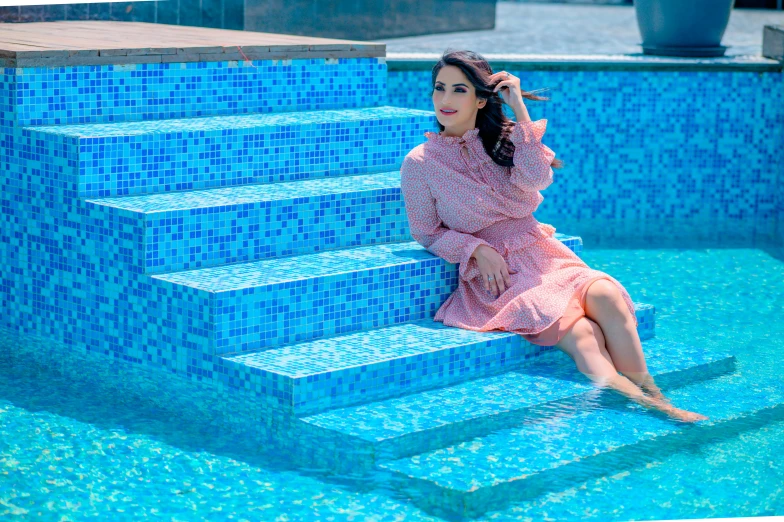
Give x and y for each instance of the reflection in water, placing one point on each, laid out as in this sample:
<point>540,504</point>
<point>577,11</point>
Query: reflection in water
<point>71,444</point>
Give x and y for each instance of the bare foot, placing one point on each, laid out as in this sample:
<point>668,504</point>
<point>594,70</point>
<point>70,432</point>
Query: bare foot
<point>676,413</point>
<point>686,416</point>
<point>632,391</point>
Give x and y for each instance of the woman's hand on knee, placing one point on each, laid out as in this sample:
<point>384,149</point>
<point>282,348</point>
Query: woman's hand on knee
<point>495,272</point>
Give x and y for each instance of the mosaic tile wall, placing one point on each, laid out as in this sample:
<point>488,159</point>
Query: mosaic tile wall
<point>151,277</point>
<point>780,184</point>
<point>128,158</point>
<point>666,157</point>
<point>148,277</point>
<point>140,92</point>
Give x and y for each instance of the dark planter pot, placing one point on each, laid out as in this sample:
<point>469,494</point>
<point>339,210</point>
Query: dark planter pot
<point>683,27</point>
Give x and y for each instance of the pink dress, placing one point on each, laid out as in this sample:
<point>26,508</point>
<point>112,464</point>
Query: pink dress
<point>458,198</point>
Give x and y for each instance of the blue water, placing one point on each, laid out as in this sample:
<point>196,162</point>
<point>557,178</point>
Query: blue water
<point>69,453</point>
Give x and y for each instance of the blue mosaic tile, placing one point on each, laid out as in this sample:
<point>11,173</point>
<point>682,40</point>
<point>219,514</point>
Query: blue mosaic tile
<point>563,446</point>
<point>651,155</point>
<point>155,91</point>
<point>434,419</point>
<point>133,317</point>
<point>115,159</point>
<point>384,362</point>
<point>77,271</point>
<point>186,230</point>
<point>266,303</point>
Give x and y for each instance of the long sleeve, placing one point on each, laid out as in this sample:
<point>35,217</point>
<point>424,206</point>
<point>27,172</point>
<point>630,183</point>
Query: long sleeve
<point>427,228</point>
<point>532,158</point>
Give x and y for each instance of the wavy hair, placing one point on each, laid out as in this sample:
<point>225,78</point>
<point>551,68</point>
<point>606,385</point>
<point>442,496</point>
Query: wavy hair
<point>494,126</point>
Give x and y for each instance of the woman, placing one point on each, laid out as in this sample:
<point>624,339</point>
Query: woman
<point>470,192</point>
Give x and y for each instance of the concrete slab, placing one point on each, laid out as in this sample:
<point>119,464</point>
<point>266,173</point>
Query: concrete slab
<point>559,29</point>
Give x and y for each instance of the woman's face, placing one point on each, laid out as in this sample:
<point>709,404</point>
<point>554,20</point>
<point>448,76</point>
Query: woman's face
<point>453,91</point>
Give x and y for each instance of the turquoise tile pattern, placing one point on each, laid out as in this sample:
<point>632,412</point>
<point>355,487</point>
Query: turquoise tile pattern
<point>382,362</point>
<point>250,222</point>
<point>421,422</point>
<point>156,91</point>
<point>125,158</point>
<point>260,250</point>
<point>513,464</point>
<point>313,245</point>
<point>651,155</point>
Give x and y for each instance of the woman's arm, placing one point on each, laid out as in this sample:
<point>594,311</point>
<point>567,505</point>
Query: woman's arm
<point>427,228</point>
<point>532,158</point>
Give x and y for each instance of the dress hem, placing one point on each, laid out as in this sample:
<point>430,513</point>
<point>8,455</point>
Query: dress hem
<point>547,339</point>
<point>570,320</point>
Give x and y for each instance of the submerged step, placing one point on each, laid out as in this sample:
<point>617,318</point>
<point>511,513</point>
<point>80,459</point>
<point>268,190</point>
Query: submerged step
<point>143,157</point>
<point>384,362</point>
<point>566,445</point>
<point>433,419</point>
<point>272,302</point>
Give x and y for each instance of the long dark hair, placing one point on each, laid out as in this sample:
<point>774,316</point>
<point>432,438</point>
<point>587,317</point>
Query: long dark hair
<point>494,127</point>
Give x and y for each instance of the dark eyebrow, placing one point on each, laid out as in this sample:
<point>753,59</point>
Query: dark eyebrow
<point>454,84</point>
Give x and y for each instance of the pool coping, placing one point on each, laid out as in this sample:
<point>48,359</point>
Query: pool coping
<point>604,62</point>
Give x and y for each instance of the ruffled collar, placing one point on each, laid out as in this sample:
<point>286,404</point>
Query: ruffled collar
<point>469,135</point>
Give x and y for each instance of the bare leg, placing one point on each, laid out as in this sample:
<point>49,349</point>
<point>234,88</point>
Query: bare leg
<point>605,305</point>
<point>585,344</point>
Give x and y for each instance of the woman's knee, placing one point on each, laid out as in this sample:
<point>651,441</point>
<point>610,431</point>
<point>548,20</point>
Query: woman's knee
<point>603,295</point>
<point>603,290</point>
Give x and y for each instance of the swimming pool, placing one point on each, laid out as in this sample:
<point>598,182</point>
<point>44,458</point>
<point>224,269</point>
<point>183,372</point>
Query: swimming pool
<point>73,448</point>
<point>187,348</point>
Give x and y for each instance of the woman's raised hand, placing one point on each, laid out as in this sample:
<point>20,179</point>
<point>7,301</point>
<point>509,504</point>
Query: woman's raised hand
<point>508,86</point>
<point>494,270</point>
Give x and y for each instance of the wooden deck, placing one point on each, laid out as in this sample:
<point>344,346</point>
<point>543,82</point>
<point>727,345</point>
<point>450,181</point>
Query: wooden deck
<point>51,44</point>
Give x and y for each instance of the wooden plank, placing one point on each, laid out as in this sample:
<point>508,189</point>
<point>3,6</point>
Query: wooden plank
<point>114,30</point>
<point>54,44</point>
<point>14,47</point>
<point>104,42</point>
<point>207,32</point>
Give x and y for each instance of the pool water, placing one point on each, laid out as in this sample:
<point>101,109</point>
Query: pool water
<point>69,453</point>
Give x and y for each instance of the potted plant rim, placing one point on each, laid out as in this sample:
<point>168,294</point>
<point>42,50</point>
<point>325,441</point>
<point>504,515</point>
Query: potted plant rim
<point>683,27</point>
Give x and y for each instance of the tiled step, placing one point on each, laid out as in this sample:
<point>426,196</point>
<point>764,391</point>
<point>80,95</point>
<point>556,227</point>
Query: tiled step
<point>125,158</point>
<point>426,421</point>
<point>570,445</point>
<point>157,91</point>
<point>277,301</point>
<point>386,362</point>
<point>196,229</point>
<point>187,230</point>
